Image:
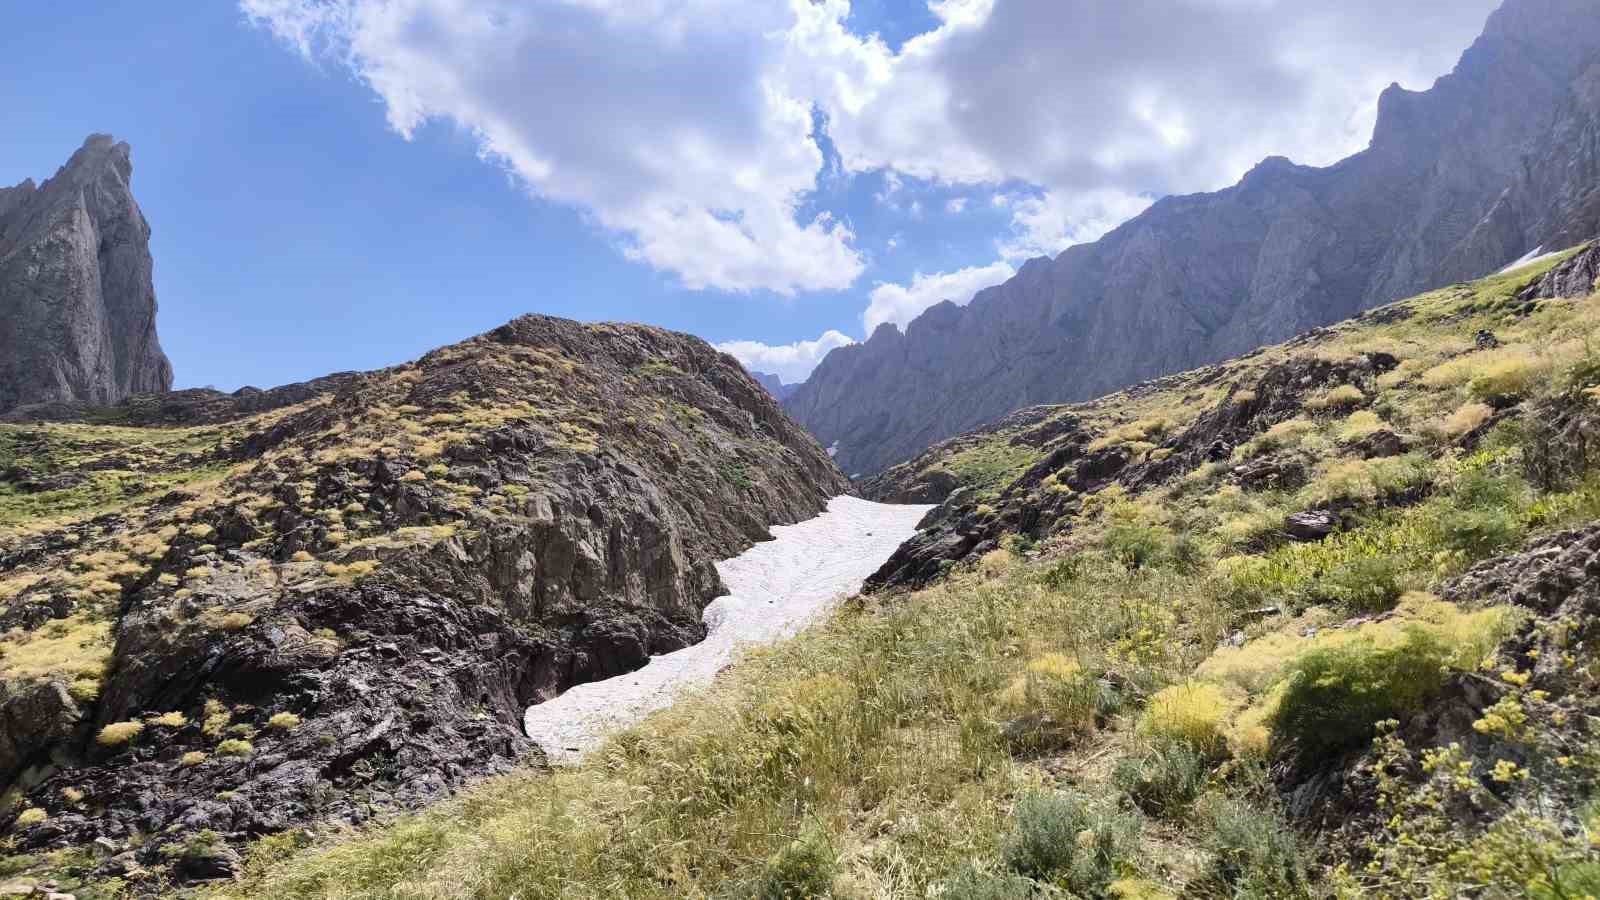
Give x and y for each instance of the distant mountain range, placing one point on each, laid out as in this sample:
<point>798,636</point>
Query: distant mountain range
<point>1499,158</point>
<point>77,304</point>
<point>775,385</point>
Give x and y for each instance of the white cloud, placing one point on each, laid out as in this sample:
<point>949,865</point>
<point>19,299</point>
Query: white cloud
<point>791,362</point>
<point>1044,225</point>
<point>670,123</point>
<point>685,126</point>
<point>1136,96</point>
<point>901,303</point>
<point>956,205</point>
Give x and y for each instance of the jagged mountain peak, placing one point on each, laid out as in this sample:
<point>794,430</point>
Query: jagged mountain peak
<point>77,297</point>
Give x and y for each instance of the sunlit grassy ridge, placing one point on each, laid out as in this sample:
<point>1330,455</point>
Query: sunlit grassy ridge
<point>1116,719</point>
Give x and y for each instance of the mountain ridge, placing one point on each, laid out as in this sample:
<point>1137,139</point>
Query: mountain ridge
<point>1494,159</point>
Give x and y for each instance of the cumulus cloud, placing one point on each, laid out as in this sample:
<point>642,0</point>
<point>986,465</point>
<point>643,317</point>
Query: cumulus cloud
<point>899,304</point>
<point>1046,224</point>
<point>669,122</point>
<point>791,362</point>
<point>1137,96</point>
<point>686,127</point>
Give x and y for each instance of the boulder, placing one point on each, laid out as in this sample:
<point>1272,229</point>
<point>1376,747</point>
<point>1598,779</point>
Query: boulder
<point>1312,525</point>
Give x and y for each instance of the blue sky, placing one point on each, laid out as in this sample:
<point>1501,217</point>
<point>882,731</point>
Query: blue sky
<point>345,184</point>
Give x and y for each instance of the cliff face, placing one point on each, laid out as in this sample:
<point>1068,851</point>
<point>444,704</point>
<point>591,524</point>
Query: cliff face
<point>775,385</point>
<point>307,612</point>
<point>77,305</point>
<point>1498,158</point>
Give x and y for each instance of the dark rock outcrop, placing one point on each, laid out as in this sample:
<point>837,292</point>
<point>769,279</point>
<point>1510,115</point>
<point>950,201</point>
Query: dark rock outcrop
<point>1578,276</point>
<point>77,304</point>
<point>355,618</point>
<point>1499,158</point>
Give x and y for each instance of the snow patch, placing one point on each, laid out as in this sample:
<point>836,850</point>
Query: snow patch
<point>775,589</point>
<point>1536,255</point>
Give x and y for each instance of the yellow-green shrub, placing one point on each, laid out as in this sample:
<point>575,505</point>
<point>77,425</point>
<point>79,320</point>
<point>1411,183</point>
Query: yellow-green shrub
<point>235,621</point>
<point>31,816</point>
<point>1057,687</point>
<point>1284,434</point>
<point>118,733</point>
<point>1194,713</point>
<point>284,721</point>
<point>1358,425</point>
<point>1510,377</point>
<point>1345,395</point>
<point>1466,419</point>
<point>235,747</point>
<point>1505,373</point>
<point>1365,480</point>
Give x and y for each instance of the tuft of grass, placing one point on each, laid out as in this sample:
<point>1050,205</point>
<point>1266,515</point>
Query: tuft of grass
<point>1164,778</point>
<point>1193,714</point>
<point>1365,480</point>
<point>803,869</point>
<point>284,721</point>
<point>32,816</point>
<point>1342,397</point>
<point>235,747</point>
<point>1467,418</point>
<point>118,734</point>
<point>1062,838</point>
<point>235,621</point>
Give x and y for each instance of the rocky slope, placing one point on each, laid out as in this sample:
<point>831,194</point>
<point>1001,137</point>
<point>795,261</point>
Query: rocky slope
<point>77,305</point>
<point>1500,157</point>
<point>1029,474</point>
<point>234,621</point>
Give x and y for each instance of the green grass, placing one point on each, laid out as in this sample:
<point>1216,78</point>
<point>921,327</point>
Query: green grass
<point>990,466</point>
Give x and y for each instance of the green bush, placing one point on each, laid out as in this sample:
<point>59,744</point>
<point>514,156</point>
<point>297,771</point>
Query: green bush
<point>1060,838</point>
<point>800,871</point>
<point>1164,779</point>
<point>1334,696</point>
<point>1256,854</point>
<point>1363,584</point>
<point>1137,545</point>
<point>972,883</point>
<point>1481,533</point>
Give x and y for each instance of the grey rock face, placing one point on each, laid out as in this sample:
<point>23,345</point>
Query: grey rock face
<point>775,385</point>
<point>1499,157</point>
<point>77,304</point>
<point>1576,277</point>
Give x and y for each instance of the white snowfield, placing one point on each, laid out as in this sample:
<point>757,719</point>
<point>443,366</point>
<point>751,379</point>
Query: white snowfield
<point>776,588</point>
<point>1536,255</point>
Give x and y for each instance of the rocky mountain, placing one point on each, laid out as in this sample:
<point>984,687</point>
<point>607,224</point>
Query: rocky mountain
<point>774,385</point>
<point>1031,473</point>
<point>1498,158</point>
<point>77,305</point>
<point>225,615</point>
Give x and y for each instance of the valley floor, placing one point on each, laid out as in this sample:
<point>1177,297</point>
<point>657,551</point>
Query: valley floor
<point>775,589</point>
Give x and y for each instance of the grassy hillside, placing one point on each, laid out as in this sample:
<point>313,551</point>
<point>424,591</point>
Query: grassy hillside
<point>1152,690</point>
